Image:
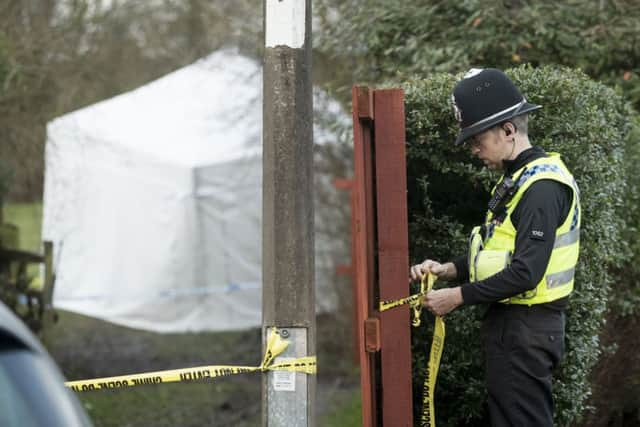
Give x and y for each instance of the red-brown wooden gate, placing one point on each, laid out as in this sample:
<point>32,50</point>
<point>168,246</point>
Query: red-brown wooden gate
<point>380,256</point>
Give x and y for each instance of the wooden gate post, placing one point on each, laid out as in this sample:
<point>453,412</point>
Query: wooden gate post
<point>380,256</point>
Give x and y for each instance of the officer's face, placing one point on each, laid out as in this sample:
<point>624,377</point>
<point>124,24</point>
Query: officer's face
<point>491,146</point>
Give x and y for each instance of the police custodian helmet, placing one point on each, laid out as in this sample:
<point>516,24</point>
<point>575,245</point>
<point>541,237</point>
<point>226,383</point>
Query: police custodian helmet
<point>485,98</point>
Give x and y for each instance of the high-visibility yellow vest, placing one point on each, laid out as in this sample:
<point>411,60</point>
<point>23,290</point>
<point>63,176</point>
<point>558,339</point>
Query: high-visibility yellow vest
<point>490,252</point>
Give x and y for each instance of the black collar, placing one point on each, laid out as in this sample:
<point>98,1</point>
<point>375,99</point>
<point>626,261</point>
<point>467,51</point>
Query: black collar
<point>527,156</point>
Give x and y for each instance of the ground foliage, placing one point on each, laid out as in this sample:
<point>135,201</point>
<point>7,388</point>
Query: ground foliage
<point>592,127</point>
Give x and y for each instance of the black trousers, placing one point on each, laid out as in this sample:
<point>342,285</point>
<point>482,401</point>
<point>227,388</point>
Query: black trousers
<point>522,347</point>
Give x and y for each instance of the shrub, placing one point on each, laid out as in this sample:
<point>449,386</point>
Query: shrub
<point>592,127</point>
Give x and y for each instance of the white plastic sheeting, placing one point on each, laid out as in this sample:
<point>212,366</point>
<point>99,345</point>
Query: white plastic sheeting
<point>153,202</point>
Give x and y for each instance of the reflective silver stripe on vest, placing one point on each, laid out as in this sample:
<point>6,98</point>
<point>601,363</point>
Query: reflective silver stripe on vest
<point>561,278</point>
<point>567,238</point>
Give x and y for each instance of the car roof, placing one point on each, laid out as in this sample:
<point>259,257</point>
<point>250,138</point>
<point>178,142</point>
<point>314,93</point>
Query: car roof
<point>11,326</point>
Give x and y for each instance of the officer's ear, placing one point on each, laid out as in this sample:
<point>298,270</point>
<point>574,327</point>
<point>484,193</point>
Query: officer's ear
<point>509,128</point>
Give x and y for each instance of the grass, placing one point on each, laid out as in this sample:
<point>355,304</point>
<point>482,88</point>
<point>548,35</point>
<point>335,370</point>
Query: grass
<point>219,403</point>
<point>85,347</point>
<point>346,412</point>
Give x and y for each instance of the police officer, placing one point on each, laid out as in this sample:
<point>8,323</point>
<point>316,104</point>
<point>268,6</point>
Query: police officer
<point>522,258</point>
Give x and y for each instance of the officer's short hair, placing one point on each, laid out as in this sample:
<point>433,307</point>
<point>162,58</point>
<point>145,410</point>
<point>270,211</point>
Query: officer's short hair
<point>521,123</point>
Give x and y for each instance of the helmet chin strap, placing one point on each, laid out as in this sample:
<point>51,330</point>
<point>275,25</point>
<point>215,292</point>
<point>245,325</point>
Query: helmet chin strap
<point>513,148</point>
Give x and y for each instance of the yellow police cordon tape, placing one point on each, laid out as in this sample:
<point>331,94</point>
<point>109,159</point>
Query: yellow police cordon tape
<point>437,344</point>
<point>275,346</point>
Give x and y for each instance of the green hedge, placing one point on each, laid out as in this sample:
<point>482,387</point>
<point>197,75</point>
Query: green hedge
<point>593,128</point>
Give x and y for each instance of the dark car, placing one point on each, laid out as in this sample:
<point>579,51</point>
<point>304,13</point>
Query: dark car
<point>32,391</point>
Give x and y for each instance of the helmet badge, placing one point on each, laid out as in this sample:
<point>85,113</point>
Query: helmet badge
<point>456,111</point>
<point>473,72</point>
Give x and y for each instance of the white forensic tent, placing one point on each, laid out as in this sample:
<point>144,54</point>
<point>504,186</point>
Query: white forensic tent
<point>153,202</point>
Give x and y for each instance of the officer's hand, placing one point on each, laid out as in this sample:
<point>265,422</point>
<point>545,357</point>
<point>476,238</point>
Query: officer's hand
<point>442,301</point>
<point>427,266</point>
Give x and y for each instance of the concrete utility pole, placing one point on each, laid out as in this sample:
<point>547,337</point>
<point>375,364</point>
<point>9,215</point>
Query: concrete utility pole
<point>288,301</point>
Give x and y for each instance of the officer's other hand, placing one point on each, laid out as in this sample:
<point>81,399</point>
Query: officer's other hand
<point>427,266</point>
<point>442,301</point>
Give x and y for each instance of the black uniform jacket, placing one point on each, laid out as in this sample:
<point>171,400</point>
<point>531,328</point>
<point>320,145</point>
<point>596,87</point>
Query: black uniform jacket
<point>543,208</point>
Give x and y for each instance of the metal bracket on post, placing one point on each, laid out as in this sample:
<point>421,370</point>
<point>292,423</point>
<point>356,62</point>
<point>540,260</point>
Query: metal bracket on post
<point>287,391</point>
